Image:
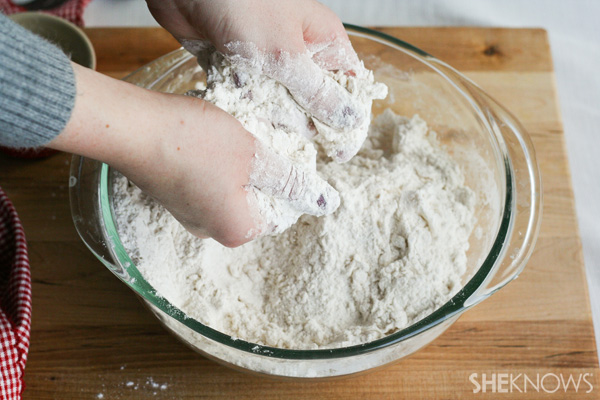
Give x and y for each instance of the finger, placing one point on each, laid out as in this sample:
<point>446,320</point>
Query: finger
<point>248,57</point>
<point>274,175</point>
<point>317,93</point>
<point>341,147</point>
<point>292,120</point>
<point>201,49</point>
<point>337,55</point>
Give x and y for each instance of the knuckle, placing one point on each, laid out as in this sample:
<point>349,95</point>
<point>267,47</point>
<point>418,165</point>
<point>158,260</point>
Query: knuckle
<point>295,185</point>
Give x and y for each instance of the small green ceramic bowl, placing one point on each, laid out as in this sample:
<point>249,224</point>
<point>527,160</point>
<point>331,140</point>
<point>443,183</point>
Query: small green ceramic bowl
<point>61,32</point>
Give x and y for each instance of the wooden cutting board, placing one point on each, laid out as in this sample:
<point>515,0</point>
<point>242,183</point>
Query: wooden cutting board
<point>91,337</point>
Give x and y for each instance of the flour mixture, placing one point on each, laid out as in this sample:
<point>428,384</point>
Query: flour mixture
<point>392,252</point>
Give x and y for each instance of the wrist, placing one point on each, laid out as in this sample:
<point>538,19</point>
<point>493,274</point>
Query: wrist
<point>111,121</point>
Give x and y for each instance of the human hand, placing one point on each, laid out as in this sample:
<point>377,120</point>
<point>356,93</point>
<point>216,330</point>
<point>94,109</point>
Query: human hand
<point>295,42</point>
<point>203,169</point>
<point>193,158</point>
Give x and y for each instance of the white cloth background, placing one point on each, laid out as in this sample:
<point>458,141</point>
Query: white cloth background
<point>574,33</point>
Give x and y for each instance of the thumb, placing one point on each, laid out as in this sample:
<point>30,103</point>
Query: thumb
<point>276,176</point>
<point>314,91</point>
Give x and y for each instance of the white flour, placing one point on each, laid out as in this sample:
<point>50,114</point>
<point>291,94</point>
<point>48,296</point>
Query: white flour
<point>393,252</point>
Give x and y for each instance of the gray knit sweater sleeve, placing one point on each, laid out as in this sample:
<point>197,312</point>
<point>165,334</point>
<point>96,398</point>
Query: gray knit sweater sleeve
<point>37,87</point>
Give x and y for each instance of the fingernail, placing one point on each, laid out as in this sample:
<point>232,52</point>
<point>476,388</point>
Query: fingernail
<point>340,156</point>
<point>328,201</point>
<point>321,202</point>
<point>350,118</point>
<point>237,80</point>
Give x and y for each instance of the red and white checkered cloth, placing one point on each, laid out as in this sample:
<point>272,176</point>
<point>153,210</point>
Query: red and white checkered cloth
<point>15,301</point>
<point>71,10</point>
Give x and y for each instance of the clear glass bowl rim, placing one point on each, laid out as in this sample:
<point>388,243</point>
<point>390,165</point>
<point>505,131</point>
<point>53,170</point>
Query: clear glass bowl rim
<point>453,307</point>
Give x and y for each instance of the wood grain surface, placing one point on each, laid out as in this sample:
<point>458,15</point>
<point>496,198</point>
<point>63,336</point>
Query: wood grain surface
<point>92,337</point>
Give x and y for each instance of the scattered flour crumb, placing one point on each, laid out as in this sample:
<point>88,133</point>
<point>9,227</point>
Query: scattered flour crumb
<point>150,381</point>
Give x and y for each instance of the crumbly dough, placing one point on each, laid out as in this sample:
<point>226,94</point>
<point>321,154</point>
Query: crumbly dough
<point>393,252</point>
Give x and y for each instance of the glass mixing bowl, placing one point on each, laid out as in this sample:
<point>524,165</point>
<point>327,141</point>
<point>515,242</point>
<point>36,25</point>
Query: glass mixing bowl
<point>492,148</point>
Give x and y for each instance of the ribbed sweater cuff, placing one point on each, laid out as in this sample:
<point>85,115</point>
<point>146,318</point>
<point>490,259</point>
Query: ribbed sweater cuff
<point>37,87</point>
